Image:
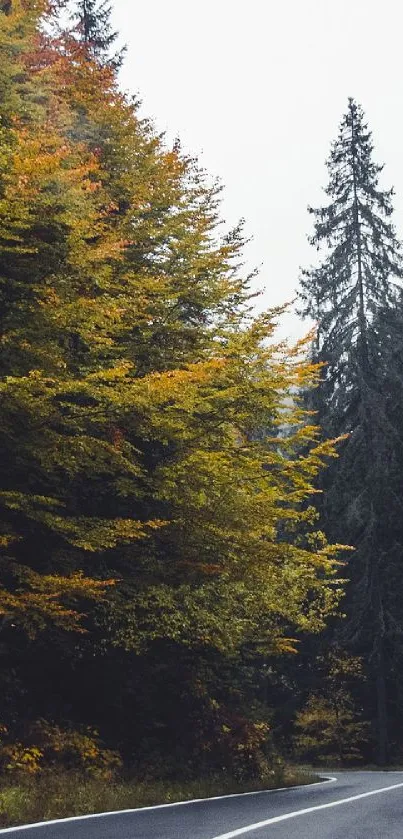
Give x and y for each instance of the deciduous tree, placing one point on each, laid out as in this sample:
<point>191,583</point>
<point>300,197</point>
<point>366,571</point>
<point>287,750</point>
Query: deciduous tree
<point>138,501</point>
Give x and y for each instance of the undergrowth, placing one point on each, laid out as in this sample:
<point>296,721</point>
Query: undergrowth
<point>63,794</point>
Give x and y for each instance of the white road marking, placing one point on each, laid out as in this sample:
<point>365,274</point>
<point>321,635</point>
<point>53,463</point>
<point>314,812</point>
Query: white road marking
<point>241,831</point>
<point>159,807</point>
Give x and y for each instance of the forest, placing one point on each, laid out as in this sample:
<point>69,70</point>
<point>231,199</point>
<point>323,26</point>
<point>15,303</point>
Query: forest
<point>201,540</point>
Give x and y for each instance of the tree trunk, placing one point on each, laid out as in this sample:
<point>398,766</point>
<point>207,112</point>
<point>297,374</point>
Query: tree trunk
<point>360,274</point>
<point>379,662</point>
<point>382,717</point>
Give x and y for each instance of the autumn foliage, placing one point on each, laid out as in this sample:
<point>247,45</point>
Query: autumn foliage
<point>156,478</point>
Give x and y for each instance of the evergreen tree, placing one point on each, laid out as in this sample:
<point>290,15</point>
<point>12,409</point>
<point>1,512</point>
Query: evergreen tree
<point>95,31</point>
<point>355,298</point>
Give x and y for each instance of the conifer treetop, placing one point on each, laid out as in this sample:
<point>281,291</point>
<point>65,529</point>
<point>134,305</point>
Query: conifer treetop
<point>95,31</point>
<point>362,261</point>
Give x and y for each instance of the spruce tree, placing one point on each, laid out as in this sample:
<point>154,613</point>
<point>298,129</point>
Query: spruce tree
<point>95,31</point>
<point>354,295</point>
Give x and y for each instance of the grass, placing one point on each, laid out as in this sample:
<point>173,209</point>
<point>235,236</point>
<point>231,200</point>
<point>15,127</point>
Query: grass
<point>58,796</point>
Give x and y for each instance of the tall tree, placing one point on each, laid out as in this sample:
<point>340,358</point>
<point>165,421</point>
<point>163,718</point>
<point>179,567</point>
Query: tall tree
<point>131,385</point>
<point>355,298</point>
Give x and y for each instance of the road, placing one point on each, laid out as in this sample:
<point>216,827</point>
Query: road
<point>354,805</point>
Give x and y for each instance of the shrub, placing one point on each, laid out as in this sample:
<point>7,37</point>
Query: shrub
<point>48,746</point>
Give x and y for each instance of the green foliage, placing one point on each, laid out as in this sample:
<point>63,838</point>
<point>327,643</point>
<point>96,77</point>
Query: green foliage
<point>95,31</point>
<point>48,746</point>
<point>330,726</point>
<point>329,732</point>
<point>156,519</point>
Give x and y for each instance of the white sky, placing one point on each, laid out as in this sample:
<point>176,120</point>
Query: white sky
<point>257,90</point>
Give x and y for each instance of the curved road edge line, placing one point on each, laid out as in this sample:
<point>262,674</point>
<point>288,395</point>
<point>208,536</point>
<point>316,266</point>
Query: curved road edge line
<point>22,827</point>
<point>241,831</point>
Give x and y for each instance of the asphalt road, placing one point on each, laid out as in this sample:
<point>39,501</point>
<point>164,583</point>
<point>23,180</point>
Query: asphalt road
<point>356,805</point>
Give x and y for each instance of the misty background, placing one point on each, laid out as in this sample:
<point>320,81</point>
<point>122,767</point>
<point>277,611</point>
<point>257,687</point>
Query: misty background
<point>256,91</point>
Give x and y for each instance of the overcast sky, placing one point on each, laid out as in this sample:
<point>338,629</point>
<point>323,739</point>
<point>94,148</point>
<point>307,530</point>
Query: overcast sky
<point>256,90</point>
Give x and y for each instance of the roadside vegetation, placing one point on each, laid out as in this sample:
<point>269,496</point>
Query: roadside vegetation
<point>201,538</point>
<point>63,795</point>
